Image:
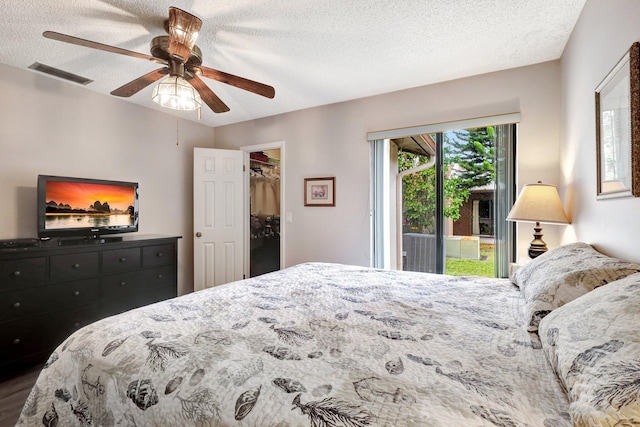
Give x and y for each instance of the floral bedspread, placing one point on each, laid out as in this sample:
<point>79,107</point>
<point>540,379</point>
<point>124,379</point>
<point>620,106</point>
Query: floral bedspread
<point>312,345</point>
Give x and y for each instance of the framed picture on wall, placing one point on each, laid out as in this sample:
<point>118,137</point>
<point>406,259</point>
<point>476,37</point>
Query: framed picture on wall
<point>618,129</point>
<point>320,191</point>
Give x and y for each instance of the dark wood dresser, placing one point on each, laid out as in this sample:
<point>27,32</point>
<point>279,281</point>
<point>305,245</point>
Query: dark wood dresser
<point>48,289</point>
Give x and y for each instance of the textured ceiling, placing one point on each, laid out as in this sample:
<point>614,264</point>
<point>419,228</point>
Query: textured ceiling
<point>313,52</point>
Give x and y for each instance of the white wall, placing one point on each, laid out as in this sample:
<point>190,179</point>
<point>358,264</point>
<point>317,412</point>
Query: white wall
<point>52,127</point>
<point>605,31</point>
<point>331,141</point>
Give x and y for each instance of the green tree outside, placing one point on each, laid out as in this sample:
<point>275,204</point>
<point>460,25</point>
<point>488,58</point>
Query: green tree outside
<point>474,151</point>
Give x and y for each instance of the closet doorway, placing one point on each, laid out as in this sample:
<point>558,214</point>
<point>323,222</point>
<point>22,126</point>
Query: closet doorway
<point>264,203</point>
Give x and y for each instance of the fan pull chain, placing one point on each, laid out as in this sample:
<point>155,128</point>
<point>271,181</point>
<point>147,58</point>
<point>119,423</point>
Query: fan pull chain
<point>177,131</point>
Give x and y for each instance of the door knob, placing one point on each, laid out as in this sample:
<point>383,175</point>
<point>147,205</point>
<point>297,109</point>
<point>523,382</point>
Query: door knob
<point>198,234</point>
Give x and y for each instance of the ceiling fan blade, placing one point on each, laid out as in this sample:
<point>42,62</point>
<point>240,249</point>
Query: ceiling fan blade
<point>209,98</point>
<point>183,29</point>
<point>95,45</point>
<point>240,82</point>
<point>140,83</point>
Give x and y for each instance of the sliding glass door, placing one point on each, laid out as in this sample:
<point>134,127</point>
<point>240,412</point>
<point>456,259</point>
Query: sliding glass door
<point>447,196</point>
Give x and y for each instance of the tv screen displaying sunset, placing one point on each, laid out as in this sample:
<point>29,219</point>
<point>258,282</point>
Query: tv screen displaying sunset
<point>78,204</point>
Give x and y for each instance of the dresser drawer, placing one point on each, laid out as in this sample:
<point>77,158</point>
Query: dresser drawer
<point>23,272</point>
<point>74,266</point>
<point>159,277</point>
<point>70,321</point>
<point>120,305</point>
<point>37,301</point>
<point>158,255</point>
<point>117,260</point>
<point>141,299</point>
<point>163,293</point>
<point>117,285</point>
<point>22,338</point>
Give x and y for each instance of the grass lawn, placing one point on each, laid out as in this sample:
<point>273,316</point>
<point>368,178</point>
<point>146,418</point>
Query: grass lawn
<point>469,267</point>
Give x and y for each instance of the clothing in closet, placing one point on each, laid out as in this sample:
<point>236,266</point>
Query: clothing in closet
<point>265,214</point>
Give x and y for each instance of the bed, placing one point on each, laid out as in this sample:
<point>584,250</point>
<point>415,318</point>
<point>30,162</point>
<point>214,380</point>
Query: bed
<point>323,344</point>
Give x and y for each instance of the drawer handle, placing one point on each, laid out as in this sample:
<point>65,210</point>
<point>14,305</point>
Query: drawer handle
<point>16,305</point>
<point>76,293</point>
<point>75,266</point>
<point>159,254</point>
<point>123,283</point>
<point>76,325</point>
<point>16,273</point>
<point>16,341</point>
<point>159,276</point>
<point>123,259</point>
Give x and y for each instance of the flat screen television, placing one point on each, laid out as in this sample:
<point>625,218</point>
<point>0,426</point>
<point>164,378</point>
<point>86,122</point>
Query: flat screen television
<point>85,208</point>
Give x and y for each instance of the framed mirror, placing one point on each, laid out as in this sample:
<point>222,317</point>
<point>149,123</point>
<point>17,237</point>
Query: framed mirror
<point>618,128</point>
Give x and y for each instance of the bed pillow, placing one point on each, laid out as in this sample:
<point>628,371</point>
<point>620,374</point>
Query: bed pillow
<point>562,275</point>
<point>593,344</point>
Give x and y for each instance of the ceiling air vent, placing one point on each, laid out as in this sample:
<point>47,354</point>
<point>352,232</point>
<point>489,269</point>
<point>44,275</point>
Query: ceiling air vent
<point>59,73</point>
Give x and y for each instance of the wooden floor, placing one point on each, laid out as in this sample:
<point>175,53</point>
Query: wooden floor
<point>13,393</point>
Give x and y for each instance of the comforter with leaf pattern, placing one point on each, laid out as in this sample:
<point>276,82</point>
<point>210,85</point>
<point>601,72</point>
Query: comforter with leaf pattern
<point>312,345</point>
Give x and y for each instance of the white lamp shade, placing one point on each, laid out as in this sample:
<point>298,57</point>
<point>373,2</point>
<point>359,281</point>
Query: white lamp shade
<point>538,203</point>
<point>176,93</point>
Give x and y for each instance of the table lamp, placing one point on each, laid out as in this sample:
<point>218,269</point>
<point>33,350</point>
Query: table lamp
<point>538,203</point>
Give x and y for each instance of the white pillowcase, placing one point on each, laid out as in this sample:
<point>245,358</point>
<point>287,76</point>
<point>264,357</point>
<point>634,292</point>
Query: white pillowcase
<point>593,344</point>
<point>564,274</point>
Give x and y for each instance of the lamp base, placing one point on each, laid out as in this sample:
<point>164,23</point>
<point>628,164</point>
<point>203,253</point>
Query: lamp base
<point>537,246</point>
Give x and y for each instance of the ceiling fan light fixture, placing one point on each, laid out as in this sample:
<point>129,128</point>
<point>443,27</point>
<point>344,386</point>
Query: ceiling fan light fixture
<point>179,57</point>
<point>176,93</point>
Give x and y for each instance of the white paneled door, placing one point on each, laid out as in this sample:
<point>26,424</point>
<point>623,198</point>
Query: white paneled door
<point>217,217</point>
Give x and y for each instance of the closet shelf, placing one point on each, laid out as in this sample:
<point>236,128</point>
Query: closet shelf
<point>272,162</point>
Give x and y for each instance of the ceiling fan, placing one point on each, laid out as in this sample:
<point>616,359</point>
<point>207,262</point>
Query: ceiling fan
<point>181,58</point>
